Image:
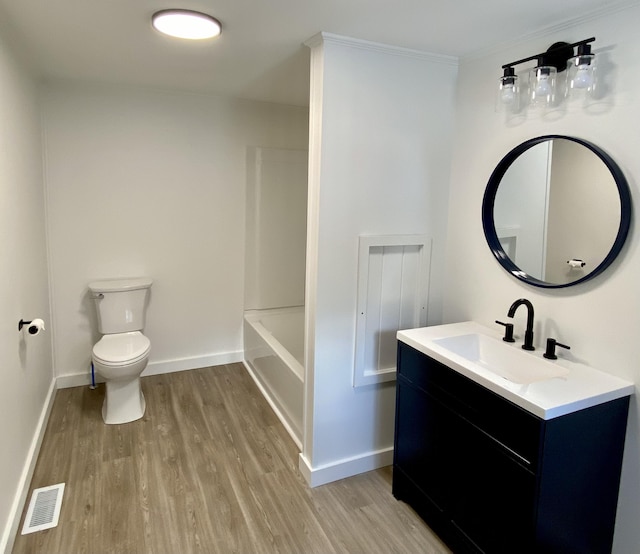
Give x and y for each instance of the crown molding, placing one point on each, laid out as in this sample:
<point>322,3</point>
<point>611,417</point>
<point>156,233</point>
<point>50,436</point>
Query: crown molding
<point>551,30</point>
<point>330,38</point>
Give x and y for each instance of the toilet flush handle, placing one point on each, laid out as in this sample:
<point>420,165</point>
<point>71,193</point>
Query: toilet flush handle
<point>98,295</point>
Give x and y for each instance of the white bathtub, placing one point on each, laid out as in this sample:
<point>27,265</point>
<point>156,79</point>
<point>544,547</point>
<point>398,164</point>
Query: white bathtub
<point>273,355</point>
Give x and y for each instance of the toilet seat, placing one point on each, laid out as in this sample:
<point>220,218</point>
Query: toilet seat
<point>121,348</point>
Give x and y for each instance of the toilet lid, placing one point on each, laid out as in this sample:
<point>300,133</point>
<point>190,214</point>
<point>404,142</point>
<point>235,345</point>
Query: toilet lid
<point>121,348</point>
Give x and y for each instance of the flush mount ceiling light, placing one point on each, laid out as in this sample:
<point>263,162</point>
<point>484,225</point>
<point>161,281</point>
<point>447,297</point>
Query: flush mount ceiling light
<point>186,24</point>
<point>543,77</point>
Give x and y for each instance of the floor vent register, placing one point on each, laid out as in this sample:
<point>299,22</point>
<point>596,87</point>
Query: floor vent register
<point>44,509</point>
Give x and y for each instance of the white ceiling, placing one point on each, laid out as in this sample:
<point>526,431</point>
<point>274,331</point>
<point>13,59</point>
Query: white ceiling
<point>260,53</point>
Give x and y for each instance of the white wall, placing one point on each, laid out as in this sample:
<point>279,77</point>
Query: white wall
<point>379,165</point>
<point>25,365</point>
<point>599,319</point>
<point>144,182</point>
<point>584,212</point>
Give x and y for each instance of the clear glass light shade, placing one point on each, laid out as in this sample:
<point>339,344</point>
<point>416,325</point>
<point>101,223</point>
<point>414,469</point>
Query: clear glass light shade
<point>508,93</point>
<point>186,24</point>
<point>543,86</point>
<point>581,73</point>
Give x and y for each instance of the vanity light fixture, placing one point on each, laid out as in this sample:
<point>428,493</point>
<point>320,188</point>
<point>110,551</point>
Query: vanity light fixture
<point>582,69</point>
<point>543,88</point>
<point>543,84</point>
<point>509,89</point>
<point>186,24</point>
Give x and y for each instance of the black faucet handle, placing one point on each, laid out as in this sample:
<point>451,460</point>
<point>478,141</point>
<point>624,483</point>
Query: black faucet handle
<point>508,331</point>
<point>550,353</point>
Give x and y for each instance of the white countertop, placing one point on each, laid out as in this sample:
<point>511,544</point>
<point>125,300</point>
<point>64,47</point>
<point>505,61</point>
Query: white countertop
<point>582,387</point>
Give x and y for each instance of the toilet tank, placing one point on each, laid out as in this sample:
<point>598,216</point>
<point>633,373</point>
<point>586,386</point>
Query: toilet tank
<point>120,304</point>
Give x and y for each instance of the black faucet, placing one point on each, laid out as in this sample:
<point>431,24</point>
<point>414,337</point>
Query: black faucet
<point>528,334</point>
<point>508,331</point>
<point>550,353</point>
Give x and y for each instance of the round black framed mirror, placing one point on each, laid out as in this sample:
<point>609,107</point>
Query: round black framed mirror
<point>556,211</point>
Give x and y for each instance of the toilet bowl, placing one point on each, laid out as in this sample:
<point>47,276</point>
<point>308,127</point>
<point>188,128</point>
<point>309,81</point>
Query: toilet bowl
<point>122,353</point>
<point>120,358</point>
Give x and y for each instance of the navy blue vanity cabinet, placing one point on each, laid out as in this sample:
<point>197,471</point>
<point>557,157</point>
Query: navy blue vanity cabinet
<point>488,476</point>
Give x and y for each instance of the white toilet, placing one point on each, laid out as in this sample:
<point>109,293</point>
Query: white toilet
<point>121,355</point>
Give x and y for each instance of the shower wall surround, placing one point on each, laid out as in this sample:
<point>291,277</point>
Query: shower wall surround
<point>276,228</point>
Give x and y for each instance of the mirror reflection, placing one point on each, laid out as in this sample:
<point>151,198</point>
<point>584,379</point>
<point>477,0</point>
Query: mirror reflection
<point>556,203</point>
<point>554,212</point>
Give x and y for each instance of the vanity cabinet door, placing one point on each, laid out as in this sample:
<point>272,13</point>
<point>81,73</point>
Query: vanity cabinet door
<point>425,447</point>
<point>494,507</point>
<point>476,486</point>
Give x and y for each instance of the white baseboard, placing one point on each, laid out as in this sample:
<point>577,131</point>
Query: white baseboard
<point>76,380</point>
<point>13,521</point>
<point>156,368</point>
<point>192,362</point>
<point>347,467</point>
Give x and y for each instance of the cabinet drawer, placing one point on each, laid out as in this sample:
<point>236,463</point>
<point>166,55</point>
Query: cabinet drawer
<point>517,430</point>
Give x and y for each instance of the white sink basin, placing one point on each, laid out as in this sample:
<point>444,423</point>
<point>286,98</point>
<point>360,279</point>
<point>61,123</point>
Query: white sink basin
<point>501,358</point>
<point>545,388</point>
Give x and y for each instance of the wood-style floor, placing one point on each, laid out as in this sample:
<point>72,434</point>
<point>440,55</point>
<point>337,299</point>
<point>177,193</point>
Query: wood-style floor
<point>209,469</point>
